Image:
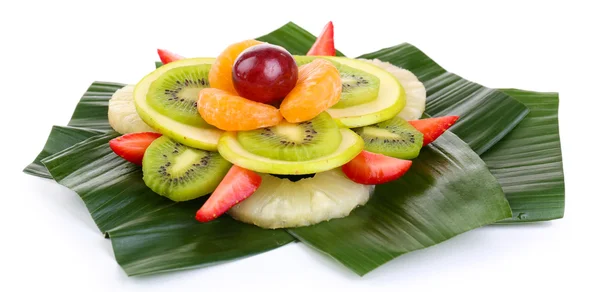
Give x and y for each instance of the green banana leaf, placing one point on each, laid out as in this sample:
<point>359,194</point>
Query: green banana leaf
<point>150,233</point>
<point>528,161</point>
<point>447,191</point>
<point>90,118</point>
<point>60,138</point>
<point>91,111</point>
<point>486,115</point>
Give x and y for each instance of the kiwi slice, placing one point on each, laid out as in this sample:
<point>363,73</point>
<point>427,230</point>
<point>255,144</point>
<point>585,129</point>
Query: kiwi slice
<point>175,93</point>
<point>358,86</point>
<point>394,137</point>
<point>390,100</point>
<point>202,137</point>
<point>182,173</point>
<point>294,142</point>
<point>231,149</point>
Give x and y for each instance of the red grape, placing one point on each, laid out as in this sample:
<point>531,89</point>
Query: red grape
<point>264,73</point>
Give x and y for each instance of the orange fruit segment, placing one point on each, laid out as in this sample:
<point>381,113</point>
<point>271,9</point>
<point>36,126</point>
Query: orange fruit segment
<point>318,88</point>
<point>219,75</point>
<point>234,113</point>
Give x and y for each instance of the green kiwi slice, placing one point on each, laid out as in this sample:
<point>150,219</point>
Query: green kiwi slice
<point>182,173</point>
<point>394,137</point>
<point>233,151</point>
<point>202,137</point>
<point>175,93</point>
<point>390,100</point>
<point>294,142</point>
<point>358,86</point>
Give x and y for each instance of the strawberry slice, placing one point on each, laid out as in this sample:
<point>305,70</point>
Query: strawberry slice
<point>324,46</point>
<point>167,57</point>
<point>372,169</point>
<point>432,128</point>
<point>132,146</point>
<point>238,184</point>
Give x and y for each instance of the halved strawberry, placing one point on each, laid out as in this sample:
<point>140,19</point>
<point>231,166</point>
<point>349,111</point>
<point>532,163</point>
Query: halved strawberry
<point>324,45</point>
<point>238,184</point>
<point>167,57</point>
<point>432,128</point>
<point>372,169</point>
<point>132,146</point>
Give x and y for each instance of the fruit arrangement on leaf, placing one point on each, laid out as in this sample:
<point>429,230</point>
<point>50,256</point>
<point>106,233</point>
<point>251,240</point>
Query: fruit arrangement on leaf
<point>277,140</point>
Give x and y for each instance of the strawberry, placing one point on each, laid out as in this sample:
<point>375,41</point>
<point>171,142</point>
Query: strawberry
<point>432,128</point>
<point>167,57</point>
<point>132,146</point>
<point>323,46</point>
<point>372,169</point>
<point>238,184</point>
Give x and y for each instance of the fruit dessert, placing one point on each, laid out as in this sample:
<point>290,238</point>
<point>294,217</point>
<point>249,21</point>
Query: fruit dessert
<point>274,139</point>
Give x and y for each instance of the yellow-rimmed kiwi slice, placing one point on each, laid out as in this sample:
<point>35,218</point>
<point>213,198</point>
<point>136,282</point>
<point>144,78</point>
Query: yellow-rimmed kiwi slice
<point>182,173</point>
<point>230,148</point>
<point>390,100</point>
<point>394,137</point>
<point>175,93</point>
<point>202,137</point>
<point>358,86</point>
<point>294,142</point>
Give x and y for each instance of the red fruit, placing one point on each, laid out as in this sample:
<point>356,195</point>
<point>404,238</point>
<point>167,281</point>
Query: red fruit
<point>432,128</point>
<point>372,169</point>
<point>324,46</point>
<point>264,73</point>
<point>133,146</point>
<point>238,184</point>
<point>167,57</point>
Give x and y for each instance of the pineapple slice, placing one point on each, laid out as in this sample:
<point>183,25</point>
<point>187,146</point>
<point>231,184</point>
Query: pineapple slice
<point>281,203</point>
<point>415,90</point>
<point>122,114</point>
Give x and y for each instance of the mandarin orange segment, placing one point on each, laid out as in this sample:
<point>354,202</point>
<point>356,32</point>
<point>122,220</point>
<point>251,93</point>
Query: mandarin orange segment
<point>234,113</point>
<point>220,72</point>
<point>319,87</point>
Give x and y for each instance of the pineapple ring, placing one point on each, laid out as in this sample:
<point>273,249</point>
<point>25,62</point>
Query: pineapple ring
<point>122,114</point>
<point>281,203</point>
<point>415,90</point>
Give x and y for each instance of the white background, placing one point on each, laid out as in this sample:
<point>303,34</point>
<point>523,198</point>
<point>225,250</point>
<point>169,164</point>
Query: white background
<point>52,50</point>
